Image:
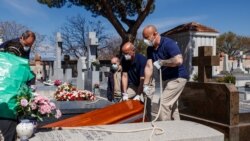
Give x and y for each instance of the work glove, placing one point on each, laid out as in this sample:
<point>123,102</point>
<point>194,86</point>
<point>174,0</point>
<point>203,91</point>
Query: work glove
<point>137,97</point>
<point>146,89</point>
<point>158,64</point>
<point>124,96</point>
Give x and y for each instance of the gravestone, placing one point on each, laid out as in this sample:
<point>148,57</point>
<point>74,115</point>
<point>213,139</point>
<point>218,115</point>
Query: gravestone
<point>104,80</point>
<point>50,70</point>
<point>68,75</point>
<point>58,71</point>
<point>205,61</point>
<point>225,65</point>
<point>104,70</point>
<point>92,75</point>
<point>68,70</point>
<point>92,43</point>
<point>81,69</point>
<point>239,69</point>
<point>216,105</point>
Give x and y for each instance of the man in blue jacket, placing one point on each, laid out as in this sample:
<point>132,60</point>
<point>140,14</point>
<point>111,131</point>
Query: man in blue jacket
<point>165,54</point>
<point>133,65</point>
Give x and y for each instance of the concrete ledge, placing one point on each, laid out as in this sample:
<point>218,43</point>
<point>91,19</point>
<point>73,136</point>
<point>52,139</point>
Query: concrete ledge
<point>174,131</point>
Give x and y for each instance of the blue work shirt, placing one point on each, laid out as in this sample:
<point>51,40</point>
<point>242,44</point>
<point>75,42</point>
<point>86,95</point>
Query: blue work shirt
<point>135,68</point>
<point>167,49</point>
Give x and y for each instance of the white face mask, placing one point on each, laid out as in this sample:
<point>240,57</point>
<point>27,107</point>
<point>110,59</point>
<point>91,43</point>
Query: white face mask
<point>26,48</point>
<point>114,67</point>
<point>148,42</point>
<point>127,57</point>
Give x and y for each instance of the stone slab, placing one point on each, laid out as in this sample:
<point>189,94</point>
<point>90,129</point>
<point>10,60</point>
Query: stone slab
<point>47,91</point>
<point>76,107</point>
<point>174,131</point>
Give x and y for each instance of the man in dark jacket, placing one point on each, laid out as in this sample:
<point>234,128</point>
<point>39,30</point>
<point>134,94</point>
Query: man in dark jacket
<point>19,47</point>
<point>133,65</point>
<point>114,81</point>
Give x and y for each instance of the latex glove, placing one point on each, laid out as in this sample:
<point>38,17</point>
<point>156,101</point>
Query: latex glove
<point>124,96</point>
<point>146,89</point>
<point>157,64</point>
<point>137,97</point>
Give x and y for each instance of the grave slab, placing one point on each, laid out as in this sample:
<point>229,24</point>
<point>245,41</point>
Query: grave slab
<point>76,107</point>
<point>174,131</point>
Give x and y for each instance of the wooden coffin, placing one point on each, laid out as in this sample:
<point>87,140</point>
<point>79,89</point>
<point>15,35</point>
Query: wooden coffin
<point>123,112</point>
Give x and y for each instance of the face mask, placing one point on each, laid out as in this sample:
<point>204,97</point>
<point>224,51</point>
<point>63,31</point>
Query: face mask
<point>148,42</point>
<point>26,48</point>
<point>127,57</point>
<point>114,67</point>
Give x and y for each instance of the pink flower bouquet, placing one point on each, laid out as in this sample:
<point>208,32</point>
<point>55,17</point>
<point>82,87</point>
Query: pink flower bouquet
<point>35,106</point>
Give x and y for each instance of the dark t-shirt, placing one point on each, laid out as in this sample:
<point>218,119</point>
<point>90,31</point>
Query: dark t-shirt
<point>134,69</point>
<point>14,46</point>
<point>167,49</point>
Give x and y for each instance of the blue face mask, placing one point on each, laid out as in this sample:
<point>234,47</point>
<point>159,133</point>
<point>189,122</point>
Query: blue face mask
<point>26,48</point>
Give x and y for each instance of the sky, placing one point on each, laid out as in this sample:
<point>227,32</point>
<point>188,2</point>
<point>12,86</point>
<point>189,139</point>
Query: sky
<point>222,15</point>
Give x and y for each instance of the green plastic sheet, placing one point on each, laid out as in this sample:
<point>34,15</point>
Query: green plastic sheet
<point>14,72</point>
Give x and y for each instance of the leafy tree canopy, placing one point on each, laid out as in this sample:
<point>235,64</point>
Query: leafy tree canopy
<point>129,12</point>
<point>231,44</point>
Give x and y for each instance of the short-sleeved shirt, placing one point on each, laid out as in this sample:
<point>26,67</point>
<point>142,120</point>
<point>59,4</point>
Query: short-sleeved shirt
<point>167,49</point>
<point>14,46</point>
<point>135,68</point>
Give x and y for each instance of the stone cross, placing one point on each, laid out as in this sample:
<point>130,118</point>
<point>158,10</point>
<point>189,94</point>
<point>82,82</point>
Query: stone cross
<point>59,50</point>
<point>205,61</point>
<point>58,71</point>
<point>92,44</point>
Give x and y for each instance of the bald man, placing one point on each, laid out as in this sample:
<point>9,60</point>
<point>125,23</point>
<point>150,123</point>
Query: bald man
<point>133,65</point>
<point>164,53</point>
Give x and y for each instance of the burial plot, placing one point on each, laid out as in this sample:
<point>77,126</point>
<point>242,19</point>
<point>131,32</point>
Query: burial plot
<point>69,108</point>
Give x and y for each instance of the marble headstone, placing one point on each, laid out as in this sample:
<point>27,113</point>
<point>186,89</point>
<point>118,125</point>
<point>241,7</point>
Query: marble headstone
<point>81,69</point>
<point>58,71</point>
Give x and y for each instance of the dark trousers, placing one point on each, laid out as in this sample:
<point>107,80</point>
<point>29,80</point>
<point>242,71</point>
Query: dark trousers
<point>8,129</point>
